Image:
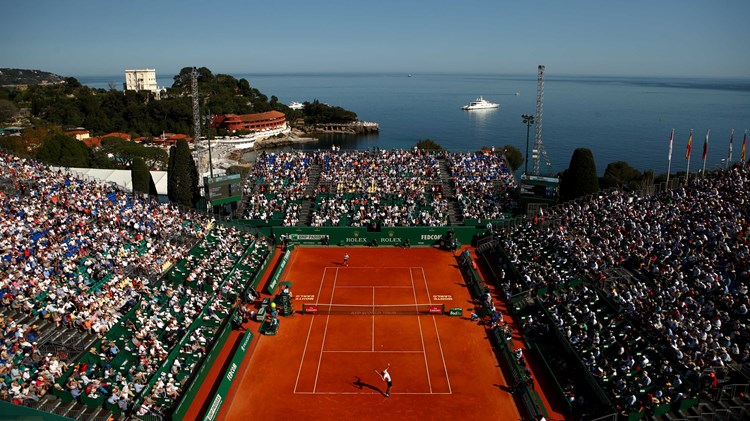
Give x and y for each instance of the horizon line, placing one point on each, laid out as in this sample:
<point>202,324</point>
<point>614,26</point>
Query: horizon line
<point>394,72</point>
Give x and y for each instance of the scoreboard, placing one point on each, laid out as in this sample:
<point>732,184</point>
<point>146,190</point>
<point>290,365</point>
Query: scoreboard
<point>546,188</point>
<point>223,189</point>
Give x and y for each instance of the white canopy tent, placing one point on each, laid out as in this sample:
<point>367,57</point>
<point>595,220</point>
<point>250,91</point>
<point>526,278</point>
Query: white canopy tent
<point>121,178</point>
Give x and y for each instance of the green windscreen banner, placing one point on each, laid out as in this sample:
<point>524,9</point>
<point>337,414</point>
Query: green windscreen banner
<point>229,377</point>
<point>279,270</point>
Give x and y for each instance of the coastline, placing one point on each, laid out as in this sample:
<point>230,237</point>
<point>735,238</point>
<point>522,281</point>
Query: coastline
<point>273,142</point>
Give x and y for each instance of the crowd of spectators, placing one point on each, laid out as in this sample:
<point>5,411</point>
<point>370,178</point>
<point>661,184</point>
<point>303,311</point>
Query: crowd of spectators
<point>680,317</point>
<point>276,186</point>
<point>484,185</point>
<point>366,209</point>
<point>185,312</point>
<point>79,254</point>
<point>389,187</point>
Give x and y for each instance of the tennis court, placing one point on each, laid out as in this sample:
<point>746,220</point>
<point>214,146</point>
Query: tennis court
<point>377,311</point>
<point>372,316</point>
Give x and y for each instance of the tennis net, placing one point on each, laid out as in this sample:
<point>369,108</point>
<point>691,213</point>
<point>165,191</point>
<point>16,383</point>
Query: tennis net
<point>373,310</point>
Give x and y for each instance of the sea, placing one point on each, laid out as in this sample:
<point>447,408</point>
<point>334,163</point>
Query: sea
<point>619,118</point>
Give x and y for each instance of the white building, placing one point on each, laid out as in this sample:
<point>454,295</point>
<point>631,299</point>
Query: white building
<point>141,80</point>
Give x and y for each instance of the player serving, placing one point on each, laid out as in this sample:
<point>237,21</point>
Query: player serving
<point>386,377</point>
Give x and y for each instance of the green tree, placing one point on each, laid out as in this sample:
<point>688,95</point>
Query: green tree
<point>122,152</point>
<point>7,110</point>
<point>319,113</point>
<point>648,179</point>
<point>72,82</point>
<point>64,150</point>
<point>33,138</point>
<point>580,178</point>
<point>182,175</point>
<point>429,145</point>
<point>141,177</point>
<point>620,174</point>
<point>195,191</point>
<point>513,156</point>
<point>13,144</point>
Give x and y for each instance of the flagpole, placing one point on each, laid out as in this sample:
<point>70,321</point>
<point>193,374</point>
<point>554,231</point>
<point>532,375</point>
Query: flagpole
<point>687,171</point>
<point>705,151</point>
<point>731,138</point>
<point>669,166</point>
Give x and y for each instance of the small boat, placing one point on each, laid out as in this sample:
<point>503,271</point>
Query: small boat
<point>480,104</point>
<point>296,105</point>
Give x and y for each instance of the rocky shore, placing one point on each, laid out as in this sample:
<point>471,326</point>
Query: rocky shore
<point>305,134</point>
<point>357,127</point>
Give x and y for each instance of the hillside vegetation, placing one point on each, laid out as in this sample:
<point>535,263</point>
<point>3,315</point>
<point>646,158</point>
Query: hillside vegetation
<point>101,111</point>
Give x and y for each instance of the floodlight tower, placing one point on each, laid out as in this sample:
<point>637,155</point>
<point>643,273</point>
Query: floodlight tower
<point>539,151</point>
<point>196,106</point>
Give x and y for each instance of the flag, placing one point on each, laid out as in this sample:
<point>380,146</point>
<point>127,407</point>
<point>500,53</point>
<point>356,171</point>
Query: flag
<point>705,145</point>
<point>671,139</point>
<point>690,141</point>
<point>731,138</point>
<point>744,147</point>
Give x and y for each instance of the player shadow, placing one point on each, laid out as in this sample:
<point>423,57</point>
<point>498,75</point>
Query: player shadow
<point>359,384</point>
<point>504,388</point>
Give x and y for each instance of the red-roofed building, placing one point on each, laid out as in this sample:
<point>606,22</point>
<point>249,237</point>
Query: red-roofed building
<point>78,134</point>
<point>250,122</point>
<point>92,142</point>
<point>169,139</point>
<point>123,136</point>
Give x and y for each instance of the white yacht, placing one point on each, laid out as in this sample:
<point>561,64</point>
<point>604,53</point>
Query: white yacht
<point>480,104</point>
<point>296,105</point>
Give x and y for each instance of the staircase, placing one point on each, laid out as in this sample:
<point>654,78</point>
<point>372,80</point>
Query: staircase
<point>74,410</point>
<point>305,214</point>
<point>69,344</point>
<point>454,209</point>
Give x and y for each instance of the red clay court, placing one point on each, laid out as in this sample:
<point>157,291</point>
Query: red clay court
<point>324,365</point>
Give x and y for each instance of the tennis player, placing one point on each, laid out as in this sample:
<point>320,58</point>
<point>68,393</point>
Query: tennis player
<point>346,259</point>
<point>386,376</point>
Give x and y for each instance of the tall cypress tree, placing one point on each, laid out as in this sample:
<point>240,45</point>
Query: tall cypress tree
<point>171,176</point>
<point>580,179</point>
<point>182,177</point>
<point>195,192</point>
<point>141,176</point>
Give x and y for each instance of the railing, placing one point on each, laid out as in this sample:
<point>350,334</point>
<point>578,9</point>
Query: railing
<point>610,417</point>
<point>731,391</point>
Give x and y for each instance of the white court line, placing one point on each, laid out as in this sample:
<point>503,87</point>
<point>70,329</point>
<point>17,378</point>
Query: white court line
<point>320,288</point>
<point>325,332</point>
<point>370,393</point>
<point>371,267</point>
<point>373,286</point>
<point>370,352</point>
<point>421,335</point>
<point>373,319</point>
<point>304,351</point>
<point>445,367</point>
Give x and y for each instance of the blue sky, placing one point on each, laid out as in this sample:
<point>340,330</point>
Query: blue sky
<point>586,37</point>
